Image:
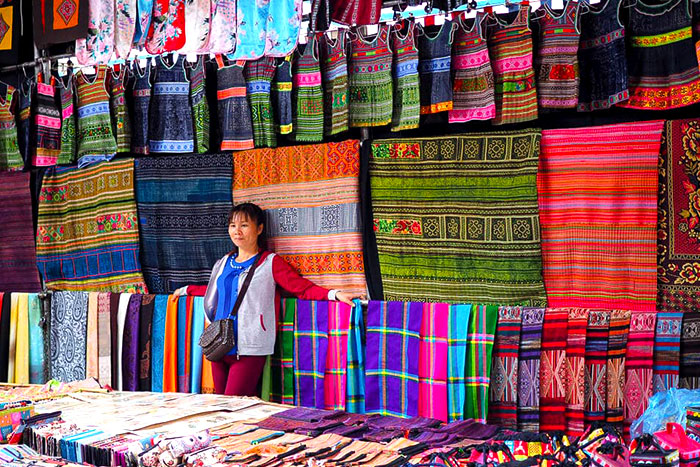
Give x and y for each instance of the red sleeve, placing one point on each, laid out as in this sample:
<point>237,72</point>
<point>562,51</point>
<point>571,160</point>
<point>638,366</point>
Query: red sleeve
<point>287,278</point>
<point>197,290</point>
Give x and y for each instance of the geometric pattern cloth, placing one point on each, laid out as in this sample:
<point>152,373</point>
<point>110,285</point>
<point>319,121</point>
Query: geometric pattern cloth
<point>617,349</point>
<point>529,369</point>
<point>311,196</point>
<point>575,370</point>
<point>553,370</point>
<point>480,337</point>
<point>667,347</point>
<point>503,397</point>
<point>456,218</point>
<point>639,365</point>
<point>183,205</point>
<point>599,239</point>
<point>88,231</point>
<point>596,366</point>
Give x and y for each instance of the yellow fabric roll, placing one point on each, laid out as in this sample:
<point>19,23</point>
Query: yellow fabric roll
<point>92,367</point>
<point>22,340</point>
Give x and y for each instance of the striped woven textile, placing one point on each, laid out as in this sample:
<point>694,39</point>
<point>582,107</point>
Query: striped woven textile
<point>37,364</point>
<point>392,356</point>
<point>104,340</point>
<point>617,349</point>
<point>432,366</point>
<point>88,231</point>
<point>355,387</point>
<point>183,204</point>
<point>17,250</point>
<point>457,360</point>
<point>480,337</point>
<point>599,240</point>
<point>158,339</point>
<point>503,397</point>
<point>334,72</point>
<point>553,370</point>
<point>310,352</point>
<point>575,370</point>
<point>184,329</point>
<point>596,367</point>
<point>283,359</point>
<point>456,218</point>
<point>689,374</point>
<point>529,369</point>
<point>311,195</point>
<point>678,218</point>
<point>667,343</point>
<point>639,366</point>
<point>335,378</point>
<point>258,77</point>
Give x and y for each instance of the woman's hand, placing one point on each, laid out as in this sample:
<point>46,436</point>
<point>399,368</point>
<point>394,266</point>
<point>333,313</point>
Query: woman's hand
<point>181,291</point>
<point>347,297</point>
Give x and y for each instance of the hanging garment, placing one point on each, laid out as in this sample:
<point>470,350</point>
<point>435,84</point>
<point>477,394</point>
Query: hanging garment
<point>170,354</point>
<point>158,340</point>
<point>472,86</point>
<point>104,338</point>
<point>283,24</point>
<point>456,360</point>
<point>623,235</point>
<point>689,373</point>
<point>58,21</point>
<point>144,9</point>
<point>92,340</point>
<point>197,360</point>
<point>510,49</point>
<point>183,329</point>
<point>5,332</point>
<point>575,370</point>
<point>141,96</point>
<point>36,341</point>
<point>432,366</point>
<point>601,57</point>
<point>662,64</point>
<point>125,27</point>
<point>251,39</point>
<point>69,329</point>
<point>12,349</point>
<point>68,123</point>
<point>406,99</point>
<point>667,343</point>
<point>310,352</point>
<point>553,371</point>
<point>355,387</point>
<point>370,81</point>
<point>480,337</point>
<point>557,62</point>
<point>617,347</point>
<point>115,369</point>
<point>145,342</point>
<point>167,30</point>
<point>258,76</point>
<point>98,45</point>
<point>171,96</point>
<point>392,358</point>
<point>639,366</point>
<point>10,157</point>
<point>503,391</point>
<point>47,124</point>
<point>198,18</point>
<point>21,373</point>
<point>529,354</point>
<point>235,119</point>
<point>121,321</point>
<point>281,97</point>
<point>307,95</point>
<point>121,124</point>
<point>434,62</point>
<point>356,12</point>
<point>96,141</point>
<point>24,111</point>
<point>282,390</point>
<point>224,27</point>
<point>509,162</point>
<point>596,367</point>
<point>16,44</point>
<point>200,106</point>
<point>130,348</point>
<point>334,71</point>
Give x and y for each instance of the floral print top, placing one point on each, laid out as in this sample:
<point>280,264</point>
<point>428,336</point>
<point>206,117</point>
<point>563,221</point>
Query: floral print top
<point>167,31</point>
<point>126,26</point>
<point>98,46</point>
<point>251,17</point>
<point>222,35</point>
<point>143,22</point>
<point>282,31</point>
<point>197,15</point>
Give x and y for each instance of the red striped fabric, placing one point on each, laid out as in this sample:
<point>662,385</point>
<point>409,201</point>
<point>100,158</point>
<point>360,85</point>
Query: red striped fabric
<point>503,391</point>
<point>553,371</point>
<point>575,370</point>
<point>617,350</point>
<point>639,366</point>
<point>597,191</point>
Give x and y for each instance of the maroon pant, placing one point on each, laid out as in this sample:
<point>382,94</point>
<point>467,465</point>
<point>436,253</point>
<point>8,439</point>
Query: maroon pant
<point>237,376</point>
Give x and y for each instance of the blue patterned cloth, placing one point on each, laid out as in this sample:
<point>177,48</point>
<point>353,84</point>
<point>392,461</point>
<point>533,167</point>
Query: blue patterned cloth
<point>170,127</point>
<point>157,342</point>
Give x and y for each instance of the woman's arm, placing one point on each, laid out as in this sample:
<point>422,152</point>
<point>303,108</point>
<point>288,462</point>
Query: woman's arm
<point>286,277</point>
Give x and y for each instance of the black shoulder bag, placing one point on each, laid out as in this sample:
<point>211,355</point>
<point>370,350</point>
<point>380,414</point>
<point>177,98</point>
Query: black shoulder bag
<point>219,337</point>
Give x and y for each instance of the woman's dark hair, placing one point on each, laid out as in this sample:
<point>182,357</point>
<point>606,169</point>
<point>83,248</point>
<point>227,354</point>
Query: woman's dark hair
<point>253,213</point>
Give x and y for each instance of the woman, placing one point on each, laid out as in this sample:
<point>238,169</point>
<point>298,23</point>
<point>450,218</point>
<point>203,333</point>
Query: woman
<point>239,371</point>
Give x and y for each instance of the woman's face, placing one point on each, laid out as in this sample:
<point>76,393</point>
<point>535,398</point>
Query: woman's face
<point>244,232</point>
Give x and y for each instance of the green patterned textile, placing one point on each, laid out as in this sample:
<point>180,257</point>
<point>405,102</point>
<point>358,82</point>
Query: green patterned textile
<point>456,218</point>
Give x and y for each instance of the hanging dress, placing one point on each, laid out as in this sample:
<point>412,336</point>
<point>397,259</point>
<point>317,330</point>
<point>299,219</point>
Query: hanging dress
<point>356,12</point>
<point>258,77</point>
<point>661,62</point>
<point>406,102</point>
<point>200,106</point>
<point>334,72</point>
<point>24,121</point>
<point>98,46</point>
<point>68,145</point>
<point>222,34</point>
<point>141,98</point>
<point>557,62</point>
<point>283,24</point>
<point>434,63</point>
<point>10,158</point>
<point>47,124</point>
<point>695,10</point>
<point>251,33</point>
<point>167,30</point>
<point>144,9</point>
<point>307,95</point>
<point>510,50</point>
<point>601,56</point>
<point>96,141</point>
<point>472,87</point>
<point>126,16</point>
<point>370,80</point>
<point>281,96</point>
<point>121,125</point>
<point>234,112</point>
<point>170,97</point>
<point>198,18</point>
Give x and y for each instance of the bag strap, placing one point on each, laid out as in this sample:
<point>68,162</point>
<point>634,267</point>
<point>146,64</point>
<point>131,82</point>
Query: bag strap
<point>244,288</point>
